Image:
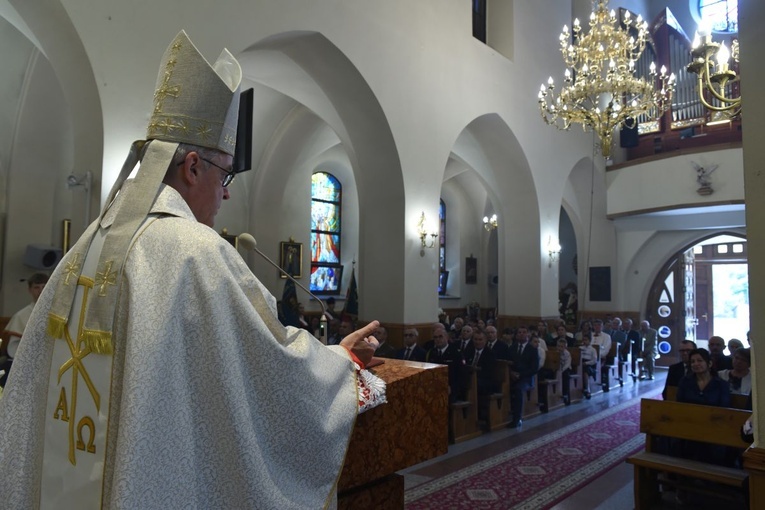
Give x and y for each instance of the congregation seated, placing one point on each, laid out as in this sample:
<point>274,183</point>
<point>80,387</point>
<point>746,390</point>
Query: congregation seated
<point>717,354</point>
<point>565,370</point>
<point>679,369</point>
<point>464,341</point>
<point>445,353</point>
<point>561,333</point>
<point>701,385</point>
<point>585,329</point>
<point>500,349</point>
<point>411,351</point>
<point>739,377</point>
<point>385,349</point>
<point>589,359</point>
<point>483,362</point>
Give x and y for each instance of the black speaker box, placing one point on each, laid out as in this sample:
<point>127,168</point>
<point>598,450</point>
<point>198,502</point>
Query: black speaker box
<point>40,256</point>
<point>628,137</point>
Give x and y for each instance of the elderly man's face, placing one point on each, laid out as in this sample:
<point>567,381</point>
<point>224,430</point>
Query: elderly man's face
<point>206,192</point>
<point>491,333</point>
<point>439,337</point>
<point>466,333</point>
<point>685,350</point>
<point>410,337</point>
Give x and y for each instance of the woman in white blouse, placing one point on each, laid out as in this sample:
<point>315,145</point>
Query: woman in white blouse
<point>739,378</point>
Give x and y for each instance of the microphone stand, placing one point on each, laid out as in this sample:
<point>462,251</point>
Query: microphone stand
<point>249,242</point>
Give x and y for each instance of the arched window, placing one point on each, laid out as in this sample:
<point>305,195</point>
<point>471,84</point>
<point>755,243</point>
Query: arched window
<point>326,204</point>
<point>443,274</point>
<point>722,14</point>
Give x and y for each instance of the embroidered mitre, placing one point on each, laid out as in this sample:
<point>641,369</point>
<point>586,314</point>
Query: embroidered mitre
<point>195,103</point>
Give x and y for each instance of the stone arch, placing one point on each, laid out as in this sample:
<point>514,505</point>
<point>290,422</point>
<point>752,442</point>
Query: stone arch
<point>330,103</point>
<point>488,148</point>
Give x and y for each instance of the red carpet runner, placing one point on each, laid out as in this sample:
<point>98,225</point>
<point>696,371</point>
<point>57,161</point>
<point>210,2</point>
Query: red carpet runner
<point>542,472</point>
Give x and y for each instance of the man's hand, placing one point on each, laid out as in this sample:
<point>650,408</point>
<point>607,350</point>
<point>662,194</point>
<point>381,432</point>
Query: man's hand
<point>361,342</point>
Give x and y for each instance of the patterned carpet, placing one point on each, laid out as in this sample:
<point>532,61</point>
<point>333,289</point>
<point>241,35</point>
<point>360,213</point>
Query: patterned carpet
<point>539,473</point>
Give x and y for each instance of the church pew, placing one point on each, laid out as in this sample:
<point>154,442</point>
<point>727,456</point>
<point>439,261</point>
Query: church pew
<point>497,404</point>
<point>736,401</point>
<point>463,418</point>
<point>550,388</point>
<point>576,374</point>
<point>706,424</point>
<point>611,363</point>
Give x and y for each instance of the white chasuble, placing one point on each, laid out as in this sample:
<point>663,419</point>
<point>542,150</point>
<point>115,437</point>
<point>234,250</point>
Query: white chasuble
<point>212,403</point>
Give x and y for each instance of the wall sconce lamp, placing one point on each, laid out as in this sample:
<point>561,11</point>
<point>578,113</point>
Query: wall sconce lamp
<point>490,223</point>
<point>553,250</point>
<point>423,233</point>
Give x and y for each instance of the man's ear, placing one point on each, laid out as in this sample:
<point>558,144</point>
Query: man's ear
<point>189,171</point>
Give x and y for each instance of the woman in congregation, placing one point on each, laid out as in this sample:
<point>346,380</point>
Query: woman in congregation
<point>701,385</point>
<point>739,378</point>
<point>585,330</point>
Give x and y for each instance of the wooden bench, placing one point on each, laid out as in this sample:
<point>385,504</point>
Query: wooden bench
<point>736,401</point>
<point>549,388</point>
<point>463,418</point>
<point>497,405</point>
<point>705,424</point>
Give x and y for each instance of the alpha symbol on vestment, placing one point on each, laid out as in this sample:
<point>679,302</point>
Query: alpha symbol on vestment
<point>67,411</point>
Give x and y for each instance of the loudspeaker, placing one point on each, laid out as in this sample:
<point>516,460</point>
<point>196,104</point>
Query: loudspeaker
<point>40,256</point>
<point>628,137</point>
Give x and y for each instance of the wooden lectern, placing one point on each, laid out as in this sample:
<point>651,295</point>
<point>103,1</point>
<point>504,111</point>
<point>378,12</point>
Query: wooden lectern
<point>411,428</point>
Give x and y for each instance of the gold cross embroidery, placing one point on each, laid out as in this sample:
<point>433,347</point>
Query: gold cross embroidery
<point>164,91</point>
<point>78,351</point>
<point>72,268</point>
<point>106,277</point>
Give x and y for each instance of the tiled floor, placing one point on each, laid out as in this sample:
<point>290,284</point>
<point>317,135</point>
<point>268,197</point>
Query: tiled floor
<point>612,491</point>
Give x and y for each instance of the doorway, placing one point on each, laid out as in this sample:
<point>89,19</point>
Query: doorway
<point>702,291</point>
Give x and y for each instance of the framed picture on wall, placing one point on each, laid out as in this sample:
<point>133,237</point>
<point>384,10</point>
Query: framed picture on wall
<point>471,270</point>
<point>291,258</point>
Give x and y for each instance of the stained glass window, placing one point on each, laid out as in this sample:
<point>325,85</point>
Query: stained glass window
<point>326,205</point>
<point>722,14</point>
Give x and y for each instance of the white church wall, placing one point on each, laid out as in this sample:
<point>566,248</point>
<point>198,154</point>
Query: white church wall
<point>41,159</point>
<point>672,182</point>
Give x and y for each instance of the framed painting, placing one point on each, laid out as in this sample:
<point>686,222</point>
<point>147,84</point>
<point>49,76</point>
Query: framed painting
<point>471,270</point>
<point>291,258</point>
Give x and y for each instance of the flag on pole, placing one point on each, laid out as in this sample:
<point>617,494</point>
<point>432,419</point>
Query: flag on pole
<point>352,297</point>
<point>290,311</point>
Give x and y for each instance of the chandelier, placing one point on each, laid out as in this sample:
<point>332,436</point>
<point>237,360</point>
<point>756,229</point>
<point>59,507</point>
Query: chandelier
<point>600,88</point>
<point>715,78</point>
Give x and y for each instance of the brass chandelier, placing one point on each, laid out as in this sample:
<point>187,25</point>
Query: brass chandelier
<point>600,89</point>
<point>710,61</point>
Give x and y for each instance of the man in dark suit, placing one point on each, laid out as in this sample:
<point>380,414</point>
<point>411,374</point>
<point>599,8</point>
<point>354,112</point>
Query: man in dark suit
<point>464,342</point>
<point>480,359</point>
<point>679,369</point>
<point>411,350</point>
<point>483,361</point>
<point>500,349</point>
<point>525,363</point>
<point>445,353</point>
<point>384,350</point>
<point>633,344</point>
<point>716,352</point>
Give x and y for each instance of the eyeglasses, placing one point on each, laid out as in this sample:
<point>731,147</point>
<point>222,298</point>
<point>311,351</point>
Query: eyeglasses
<point>230,174</point>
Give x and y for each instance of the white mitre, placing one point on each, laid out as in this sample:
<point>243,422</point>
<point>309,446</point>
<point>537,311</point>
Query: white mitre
<point>194,103</point>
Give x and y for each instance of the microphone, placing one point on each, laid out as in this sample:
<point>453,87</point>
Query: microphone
<point>249,242</point>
